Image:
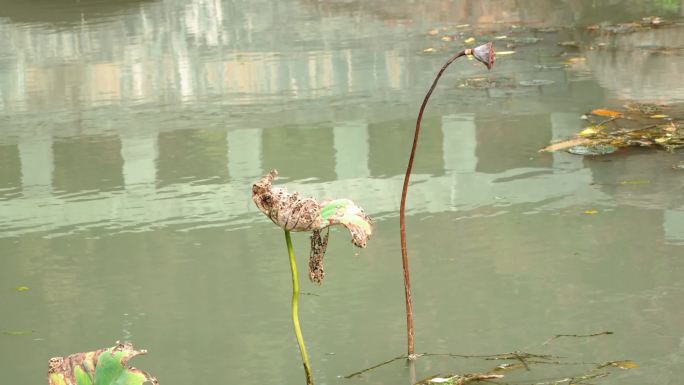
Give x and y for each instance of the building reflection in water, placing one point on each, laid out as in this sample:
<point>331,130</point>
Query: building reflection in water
<point>209,64</point>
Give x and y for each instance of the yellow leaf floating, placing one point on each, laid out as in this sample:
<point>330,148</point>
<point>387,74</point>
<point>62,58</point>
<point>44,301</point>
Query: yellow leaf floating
<point>591,212</point>
<point>470,40</point>
<point>626,364</point>
<point>607,113</point>
<point>589,131</point>
<point>504,53</point>
<point>659,116</point>
<point>22,288</point>
<point>428,50</point>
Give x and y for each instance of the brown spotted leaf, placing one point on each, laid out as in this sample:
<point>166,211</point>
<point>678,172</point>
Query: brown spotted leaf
<point>102,367</point>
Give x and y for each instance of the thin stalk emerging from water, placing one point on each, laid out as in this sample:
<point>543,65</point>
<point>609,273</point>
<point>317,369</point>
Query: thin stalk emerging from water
<point>484,54</point>
<point>295,315</point>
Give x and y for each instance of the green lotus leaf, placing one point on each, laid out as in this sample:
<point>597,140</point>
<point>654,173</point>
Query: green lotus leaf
<point>348,214</point>
<point>101,367</point>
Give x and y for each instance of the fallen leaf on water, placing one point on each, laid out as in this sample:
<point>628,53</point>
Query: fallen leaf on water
<point>591,212</point>
<point>17,332</point>
<point>589,131</point>
<point>569,44</point>
<point>433,32</point>
<point>575,60</point>
<point>504,53</point>
<point>625,364</point>
<point>507,367</point>
<point>501,37</point>
<point>428,50</point>
<point>535,82</point>
<point>564,144</point>
<point>607,113</point>
<point>21,288</point>
<point>471,40</point>
<point>447,38</point>
<point>659,116</point>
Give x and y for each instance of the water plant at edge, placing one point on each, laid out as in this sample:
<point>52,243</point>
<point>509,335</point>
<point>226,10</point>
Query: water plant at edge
<point>291,212</point>
<point>100,367</point>
<point>485,55</point>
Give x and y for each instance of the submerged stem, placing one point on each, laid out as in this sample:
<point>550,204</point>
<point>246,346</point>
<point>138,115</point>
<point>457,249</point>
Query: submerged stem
<point>402,209</point>
<point>295,316</point>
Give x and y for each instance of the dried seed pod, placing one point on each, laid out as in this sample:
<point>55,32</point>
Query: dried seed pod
<point>485,54</point>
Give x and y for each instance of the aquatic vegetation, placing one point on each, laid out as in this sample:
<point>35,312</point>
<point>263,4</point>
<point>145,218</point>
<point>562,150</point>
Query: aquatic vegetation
<point>291,212</point>
<point>485,55</point>
<point>639,125</point>
<point>101,367</point>
<point>523,367</point>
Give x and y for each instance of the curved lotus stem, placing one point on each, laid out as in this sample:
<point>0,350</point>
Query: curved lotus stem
<point>485,55</point>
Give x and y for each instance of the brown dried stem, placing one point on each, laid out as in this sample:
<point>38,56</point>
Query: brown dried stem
<point>484,54</point>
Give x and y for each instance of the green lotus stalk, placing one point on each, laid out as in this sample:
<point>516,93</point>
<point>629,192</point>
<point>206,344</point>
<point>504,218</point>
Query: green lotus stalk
<point>295,309</point>
<point>293,213</point>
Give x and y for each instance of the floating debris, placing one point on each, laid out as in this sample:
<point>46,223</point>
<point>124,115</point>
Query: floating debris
<point>520,361</point>
<point>535,82</point>
<point>515,42</point>
<point>548,29</point>
<point>592,149</point>
<point>639,125</point>
<point>16,333</point>
<point>459,379</point>
<point>569,44</point>
<point>550,67</point>
<point>625,364</point>
<point>483,82</point>
<point>580,335</point>
<point>608,113</point>
<point>629,27</point>
<point>644,108</point>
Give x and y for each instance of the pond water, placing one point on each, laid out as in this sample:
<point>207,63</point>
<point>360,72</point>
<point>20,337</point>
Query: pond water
<point>130,134</point>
